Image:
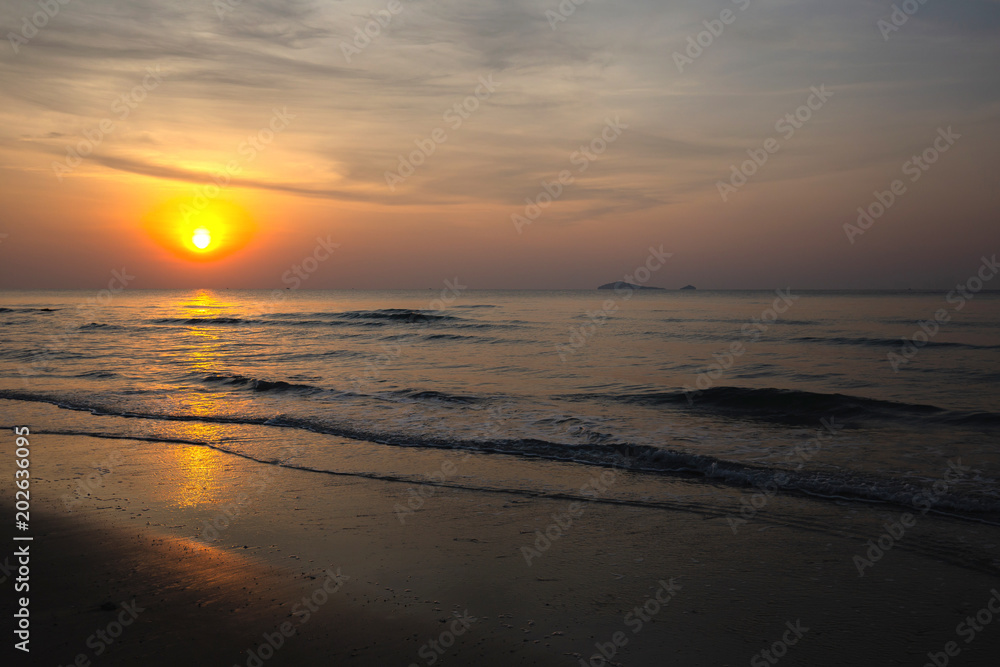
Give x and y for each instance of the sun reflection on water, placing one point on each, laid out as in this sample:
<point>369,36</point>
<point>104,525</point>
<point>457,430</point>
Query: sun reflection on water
<point>200,349</point>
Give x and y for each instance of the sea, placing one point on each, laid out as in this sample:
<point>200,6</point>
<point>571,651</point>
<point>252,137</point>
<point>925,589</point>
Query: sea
<point>881,398</point>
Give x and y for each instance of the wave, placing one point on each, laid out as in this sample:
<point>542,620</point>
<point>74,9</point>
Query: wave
<point>206,320</point>
<point>885,342</point>
<point>396,315</point>
<point>915,324</point>
<point>479,340</point>
<point>286,357</point>
<point>455,337</point>
<point>437,396</point>
<point>856,486</point>
<point>243,321</point>
<point>97,374</point>
<point>735,320</point>
<point>29,310</point>
<point>39,357</point>
<point>406,316</point>
<point>382,313</point>
<point>99,326</point>
<point>796,406</point>
<point>789,406</point>
<point>259,385</point>
<point>371,318</point>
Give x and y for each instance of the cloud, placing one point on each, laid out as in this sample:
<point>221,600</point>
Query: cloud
<point>223,75</point>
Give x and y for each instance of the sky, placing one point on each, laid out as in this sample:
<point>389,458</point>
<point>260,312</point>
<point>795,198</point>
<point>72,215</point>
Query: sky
<point>502,143</point>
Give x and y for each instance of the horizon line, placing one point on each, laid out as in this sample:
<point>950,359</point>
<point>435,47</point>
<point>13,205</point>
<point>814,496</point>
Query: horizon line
<point>650,289</point>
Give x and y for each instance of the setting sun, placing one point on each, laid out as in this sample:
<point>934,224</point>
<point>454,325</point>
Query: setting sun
<point>202,238</point>
<point>200,230</point>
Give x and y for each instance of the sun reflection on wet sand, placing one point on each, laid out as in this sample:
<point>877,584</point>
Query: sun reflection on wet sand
<point>198,468</point>
<point>197,471</point>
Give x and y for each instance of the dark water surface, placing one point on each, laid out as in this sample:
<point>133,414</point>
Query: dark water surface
<point>823,392</point>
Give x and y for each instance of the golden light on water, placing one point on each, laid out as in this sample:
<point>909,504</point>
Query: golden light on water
<point>196,474</point>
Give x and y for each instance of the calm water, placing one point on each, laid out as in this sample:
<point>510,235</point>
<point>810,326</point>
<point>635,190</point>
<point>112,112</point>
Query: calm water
<point>380,383</point>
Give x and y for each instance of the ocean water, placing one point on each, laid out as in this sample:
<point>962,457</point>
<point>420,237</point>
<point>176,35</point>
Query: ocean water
<point>811,394</point>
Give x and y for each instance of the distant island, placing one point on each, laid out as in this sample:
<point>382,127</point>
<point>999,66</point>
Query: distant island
<point>689,287</point>
<point>621,284</point>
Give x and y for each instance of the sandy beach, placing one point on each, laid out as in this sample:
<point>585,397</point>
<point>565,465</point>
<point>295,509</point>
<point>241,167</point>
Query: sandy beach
<point>451,583</point>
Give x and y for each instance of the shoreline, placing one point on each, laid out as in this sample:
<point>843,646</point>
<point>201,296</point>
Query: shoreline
<point>594,582</point>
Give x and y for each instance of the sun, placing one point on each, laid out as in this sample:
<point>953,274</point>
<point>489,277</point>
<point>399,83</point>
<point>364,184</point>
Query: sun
<point>202,238</point>
<point>200,229</point>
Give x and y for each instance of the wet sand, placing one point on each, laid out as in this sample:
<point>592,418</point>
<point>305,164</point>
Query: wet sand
<point>218,550</point>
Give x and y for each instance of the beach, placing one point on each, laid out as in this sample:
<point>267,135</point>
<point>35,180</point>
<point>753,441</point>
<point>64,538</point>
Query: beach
<point>395,587</point>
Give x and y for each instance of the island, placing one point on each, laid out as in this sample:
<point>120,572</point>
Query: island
<point>622,285</point>
<point>689,287</point>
